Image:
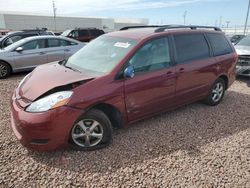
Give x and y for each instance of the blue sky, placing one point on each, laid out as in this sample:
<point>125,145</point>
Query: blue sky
<point>205,12</point>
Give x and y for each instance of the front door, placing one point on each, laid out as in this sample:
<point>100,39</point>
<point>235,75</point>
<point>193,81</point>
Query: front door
<point>152,89</point>
<point>32,55</point>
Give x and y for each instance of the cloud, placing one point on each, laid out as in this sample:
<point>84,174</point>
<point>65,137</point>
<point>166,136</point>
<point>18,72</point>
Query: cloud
<point>89,6</point>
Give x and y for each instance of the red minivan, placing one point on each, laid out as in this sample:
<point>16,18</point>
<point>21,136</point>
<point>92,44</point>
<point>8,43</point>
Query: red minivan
<point>117,79</point>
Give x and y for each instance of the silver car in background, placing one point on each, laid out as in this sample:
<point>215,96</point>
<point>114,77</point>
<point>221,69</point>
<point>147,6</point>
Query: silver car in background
<point>243,50</point>
<point>30,52</point>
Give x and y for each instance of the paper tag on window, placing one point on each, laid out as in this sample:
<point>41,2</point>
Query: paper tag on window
<point>122,44</point>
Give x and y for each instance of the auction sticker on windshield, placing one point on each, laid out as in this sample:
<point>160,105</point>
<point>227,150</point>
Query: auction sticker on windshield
<point>122,44</point>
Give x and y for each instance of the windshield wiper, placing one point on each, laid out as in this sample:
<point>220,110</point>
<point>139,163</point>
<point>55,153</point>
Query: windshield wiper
<point>76,70</point>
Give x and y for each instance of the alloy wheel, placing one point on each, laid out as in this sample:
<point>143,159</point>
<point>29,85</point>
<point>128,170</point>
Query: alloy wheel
<point>3,70</point>
<point>217,92</point>
<point>87,133</point>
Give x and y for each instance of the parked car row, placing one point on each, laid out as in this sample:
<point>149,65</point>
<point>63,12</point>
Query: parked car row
<point>21,51</point>
<point>13,37</point>
<point>30,52</point>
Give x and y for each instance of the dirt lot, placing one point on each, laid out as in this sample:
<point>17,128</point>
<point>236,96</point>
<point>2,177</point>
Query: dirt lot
<point>193,146</point>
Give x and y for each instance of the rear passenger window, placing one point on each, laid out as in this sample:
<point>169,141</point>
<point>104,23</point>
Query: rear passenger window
<point>53,43</point>
<point>67,43</point>
<point>219,44</point>
<point>191,47</point>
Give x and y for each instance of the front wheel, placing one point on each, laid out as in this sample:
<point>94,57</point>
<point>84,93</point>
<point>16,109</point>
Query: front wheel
<point>91,131</point>
<point>216,93</point>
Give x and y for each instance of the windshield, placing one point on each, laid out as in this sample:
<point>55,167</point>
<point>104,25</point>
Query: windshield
<point>66,33</point>
<point>245,41</point>
<point>101,55</point>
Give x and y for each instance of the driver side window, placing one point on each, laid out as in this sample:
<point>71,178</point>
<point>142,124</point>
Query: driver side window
<point>35,44</point>
<point>152,56</point>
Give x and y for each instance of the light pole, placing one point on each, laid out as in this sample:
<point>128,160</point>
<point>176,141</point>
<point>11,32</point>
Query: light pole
<point>245,28</point>
<point>228,22</point>
<point>184,17</point>
<point>54,12</point>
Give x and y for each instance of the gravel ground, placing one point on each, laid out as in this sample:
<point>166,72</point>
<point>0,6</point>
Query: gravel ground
<point>193,146</point>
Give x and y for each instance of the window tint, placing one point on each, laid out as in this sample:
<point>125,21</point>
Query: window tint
<point>152,56</point>
<point>53,43</point>
<point>219,44</point>
<point>83,33</point>
<point>96,32</point>
<point>67,43</point>
<point>35,44</point>
<point>191,47</point>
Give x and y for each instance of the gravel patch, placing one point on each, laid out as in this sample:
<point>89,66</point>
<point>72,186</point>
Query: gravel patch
<point>193,146</point>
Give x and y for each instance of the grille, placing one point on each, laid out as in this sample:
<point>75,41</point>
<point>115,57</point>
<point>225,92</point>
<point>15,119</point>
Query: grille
<point>244,60</point>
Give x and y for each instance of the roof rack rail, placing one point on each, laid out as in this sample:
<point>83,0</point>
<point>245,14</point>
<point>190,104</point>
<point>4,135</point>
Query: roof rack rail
<point>37,29</point>
<point>139,26</point>
<point>147,26</point>
<point>193,27</point>
<point>78,28</point>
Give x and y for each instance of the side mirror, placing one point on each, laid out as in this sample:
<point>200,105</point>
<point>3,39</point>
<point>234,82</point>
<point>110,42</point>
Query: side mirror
<point>129,72</point>
<point>19,49</point>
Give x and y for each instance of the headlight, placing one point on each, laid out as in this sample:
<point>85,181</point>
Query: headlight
<point>49,102</point>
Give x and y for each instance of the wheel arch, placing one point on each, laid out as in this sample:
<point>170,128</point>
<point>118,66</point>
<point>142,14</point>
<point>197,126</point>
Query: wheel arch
<point>113,113</point>
<point>225,79</point>
<point>11,69</point>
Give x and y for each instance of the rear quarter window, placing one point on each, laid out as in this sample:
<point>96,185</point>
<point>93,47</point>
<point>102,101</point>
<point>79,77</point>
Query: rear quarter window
<point>191,47</point>
<point>219,44</point>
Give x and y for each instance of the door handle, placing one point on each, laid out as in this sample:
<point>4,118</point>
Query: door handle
<point>181,70</point>
<point>169,73</point>
<point>66,50</point>
<point>42,53</point>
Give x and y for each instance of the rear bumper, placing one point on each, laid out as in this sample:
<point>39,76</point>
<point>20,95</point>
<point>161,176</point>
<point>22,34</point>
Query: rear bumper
<point>43,131</point>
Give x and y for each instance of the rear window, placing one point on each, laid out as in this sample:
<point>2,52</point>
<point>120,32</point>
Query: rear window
<point>219,44</point>
<point>83,33</point>
<point>96,32</point>
<point>191,47</point>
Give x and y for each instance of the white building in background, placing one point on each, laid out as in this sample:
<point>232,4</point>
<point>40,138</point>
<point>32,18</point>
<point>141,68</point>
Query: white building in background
<point>19,21</point>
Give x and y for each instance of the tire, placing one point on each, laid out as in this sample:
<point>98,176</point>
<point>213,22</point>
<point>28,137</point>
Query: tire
<point>5,70</point>
<point>91,131</point>
<point>216,93</point>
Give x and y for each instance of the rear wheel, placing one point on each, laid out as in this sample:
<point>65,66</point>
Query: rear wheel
<point>91,131</point>
<point>216,93</point>
<point>5,70</point>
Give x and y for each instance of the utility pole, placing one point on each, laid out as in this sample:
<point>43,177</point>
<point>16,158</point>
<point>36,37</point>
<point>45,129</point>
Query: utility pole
<point>184,17</point>
<point>228,22</point>
<point>220,21</point>
<point>54,12</point>
<point>245,28</point>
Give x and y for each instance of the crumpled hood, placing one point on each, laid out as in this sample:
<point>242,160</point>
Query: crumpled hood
<point>47,77</point>
<point>242,50</point>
